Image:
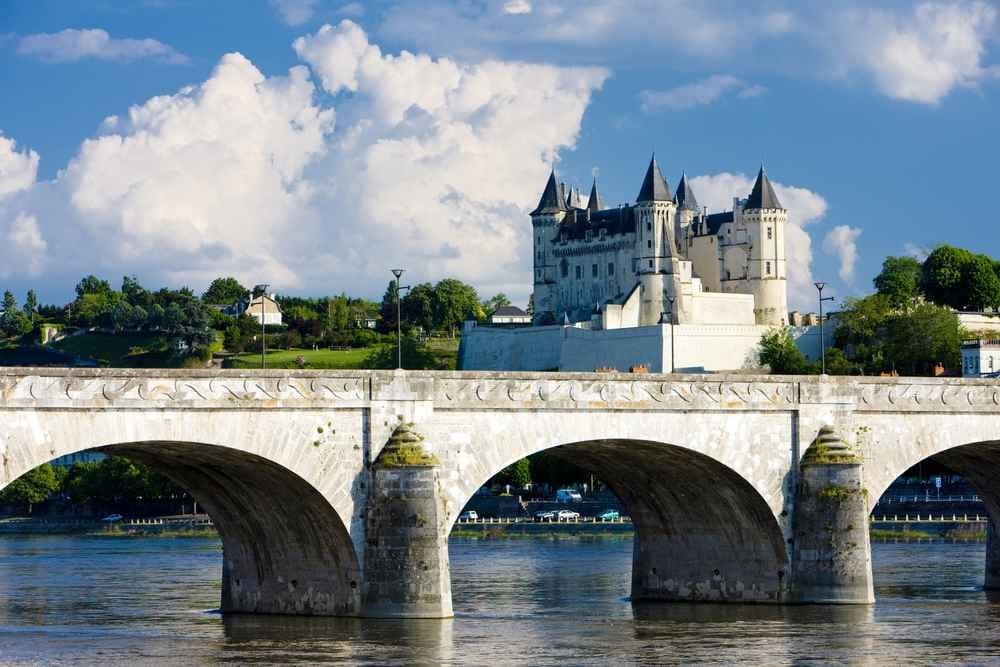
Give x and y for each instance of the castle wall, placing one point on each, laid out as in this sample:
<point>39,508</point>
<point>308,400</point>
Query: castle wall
<point>719,308</point>
<point>703,252</point>
<point>528,349</point>
<point>609,257</point>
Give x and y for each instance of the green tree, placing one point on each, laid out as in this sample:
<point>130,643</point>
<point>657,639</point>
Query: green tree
<point>233,339</point>
<point>981,284</point>
<point>860,331</point>
<point>917,340</point>
<point>416,356</point>
<point>226,290</point>
<point>495,302</point>
<point>340,313</point>
<point>33,487</point>
<point>92,285</point>
<point>899,281</point>
<point>517,474</point>
<point>418,307</point>
<point>942,275</point>
<point>387,309</point>
<point>13,322</point>
<point>31,305</point>
<point>779,352</point>
<point>455,301</point>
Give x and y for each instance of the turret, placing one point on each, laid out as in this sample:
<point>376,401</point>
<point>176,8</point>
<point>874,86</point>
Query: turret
<point>595,202</point>
<point>765,219</point>
<point>657,247</point>
<point>545,221</point>
<point>688,211</point>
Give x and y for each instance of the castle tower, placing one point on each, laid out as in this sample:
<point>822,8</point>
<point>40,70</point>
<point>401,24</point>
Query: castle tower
<point>545,221</point>
<point>656,246</point>
<point>595,202</point>
<point>765,220</point>
<point>687,211</point>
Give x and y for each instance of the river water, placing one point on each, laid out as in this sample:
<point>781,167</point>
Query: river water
<point>84,600</point>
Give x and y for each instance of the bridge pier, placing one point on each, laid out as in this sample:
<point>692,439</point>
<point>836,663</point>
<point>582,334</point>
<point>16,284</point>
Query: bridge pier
<point>831,554</point>
<point>407,572</point>
<point>992,554</point>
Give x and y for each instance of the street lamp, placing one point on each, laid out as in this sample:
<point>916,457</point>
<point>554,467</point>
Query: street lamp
<point>262,288</point>
<point>670,320</point>
<point>822,337</point>
<point>399,321</point>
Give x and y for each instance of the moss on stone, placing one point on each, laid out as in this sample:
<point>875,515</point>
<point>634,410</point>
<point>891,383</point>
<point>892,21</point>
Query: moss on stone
<point>404,449</point>
<point>837,494</point>
<point>829,449</point>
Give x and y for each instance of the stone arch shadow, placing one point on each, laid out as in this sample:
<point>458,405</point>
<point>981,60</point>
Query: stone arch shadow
<point>702,531</point>
<point>285,548</point>
<point>979,463</point>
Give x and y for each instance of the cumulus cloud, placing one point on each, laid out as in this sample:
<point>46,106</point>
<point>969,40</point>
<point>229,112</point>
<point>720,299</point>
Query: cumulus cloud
<point>430,164</point>
<point>72,45</point>
<point>842,242</point>
<point>923,54</point>
<point>716,191</point>
<point>517,7</point>
<point>697,94</point>
<point>916,251</point>
<point>24,247</point>
<point>17,169</point>
<point>295,12</point>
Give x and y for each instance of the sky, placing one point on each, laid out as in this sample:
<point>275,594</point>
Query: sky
<point>315,144</point>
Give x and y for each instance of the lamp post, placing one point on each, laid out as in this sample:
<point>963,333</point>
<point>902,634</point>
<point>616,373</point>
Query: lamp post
<point>263,330</point>
<point>822,337</point>
<point>399,320</point>
<point>673,366</point>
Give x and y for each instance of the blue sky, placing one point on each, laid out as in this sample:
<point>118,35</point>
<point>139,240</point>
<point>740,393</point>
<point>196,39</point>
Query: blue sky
<point>318,165</point>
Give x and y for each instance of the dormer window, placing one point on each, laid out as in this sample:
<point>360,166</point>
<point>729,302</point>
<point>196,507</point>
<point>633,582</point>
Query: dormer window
<point>768,233</point>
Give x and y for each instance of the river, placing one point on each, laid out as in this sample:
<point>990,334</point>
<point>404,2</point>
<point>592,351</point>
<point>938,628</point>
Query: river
<point>117,601</point>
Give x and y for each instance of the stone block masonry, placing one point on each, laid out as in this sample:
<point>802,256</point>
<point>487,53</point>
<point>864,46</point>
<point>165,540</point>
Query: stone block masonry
<point>328,506</point>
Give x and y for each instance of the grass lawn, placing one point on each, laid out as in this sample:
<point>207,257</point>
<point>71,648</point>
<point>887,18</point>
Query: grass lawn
<point>444,350</point>
<point>119,350</point>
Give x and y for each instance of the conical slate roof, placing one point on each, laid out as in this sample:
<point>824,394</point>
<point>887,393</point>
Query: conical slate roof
<point>684,197</point>
<point>654,186</point>
<point>552,198</point>
<point>595,203</point>
<point>762,195</point>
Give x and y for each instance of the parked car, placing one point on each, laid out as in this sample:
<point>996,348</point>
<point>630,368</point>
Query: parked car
<point>545,515</point>
<point>469,515</point>
<point>567,515</point>
<point>608,515</point>
<point>568,496</point>
<point>111,518</point>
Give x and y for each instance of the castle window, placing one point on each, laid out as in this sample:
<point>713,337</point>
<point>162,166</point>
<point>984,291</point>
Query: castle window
<point>579,272</point>
<point>768,233</point>
<point>539,273</point>
<point>564,268</point>
<point>767,268</point>
<point>593,270</point>
<point>650,263</point>
<point>611,268</point>
<point>649,244</point>
<point>729,275</point>
<point>649,226</point>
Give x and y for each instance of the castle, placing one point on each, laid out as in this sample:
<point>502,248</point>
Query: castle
<point>663,259</point>
<point>658,285</point>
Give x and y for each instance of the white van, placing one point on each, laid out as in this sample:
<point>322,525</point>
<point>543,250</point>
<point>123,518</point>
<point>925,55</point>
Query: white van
<point>568,496</point>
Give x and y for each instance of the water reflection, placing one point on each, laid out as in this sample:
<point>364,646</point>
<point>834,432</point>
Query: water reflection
<point>80,601</point>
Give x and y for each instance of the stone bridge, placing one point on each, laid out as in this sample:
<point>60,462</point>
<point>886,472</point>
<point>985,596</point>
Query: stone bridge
<point>735,493</point>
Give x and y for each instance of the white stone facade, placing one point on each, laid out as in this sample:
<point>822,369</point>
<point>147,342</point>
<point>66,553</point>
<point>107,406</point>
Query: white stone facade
<point>981,358</point>
<point>661,259</point>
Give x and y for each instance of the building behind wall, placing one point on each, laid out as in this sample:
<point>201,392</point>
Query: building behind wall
<point>663,258</point>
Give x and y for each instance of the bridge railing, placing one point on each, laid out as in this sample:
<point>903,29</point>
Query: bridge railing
<point>930,518</point>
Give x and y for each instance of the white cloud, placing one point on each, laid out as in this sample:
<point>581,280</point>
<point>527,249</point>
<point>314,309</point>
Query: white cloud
<point>696,94</point>
<point>17,169</point>
<point>920,55</point>
<point>842,242</point>
<point>517,7</point>
<point>431,165</point>
<point>23,247</point>
<point>916,251</point>
<point>72,45</point>
<point>295,12</point>
<point>716,191</point>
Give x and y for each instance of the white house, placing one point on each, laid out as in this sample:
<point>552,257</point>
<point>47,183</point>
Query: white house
<point>510,316</point>
<point>981,358</point>
<point>264,309</point>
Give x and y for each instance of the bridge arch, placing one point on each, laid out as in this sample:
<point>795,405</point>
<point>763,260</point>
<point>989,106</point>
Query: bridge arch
<point>274,489</point>
<point>703,531</point>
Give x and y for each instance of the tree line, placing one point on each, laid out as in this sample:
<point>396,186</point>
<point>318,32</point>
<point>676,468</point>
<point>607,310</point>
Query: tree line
<point>908,326</point>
